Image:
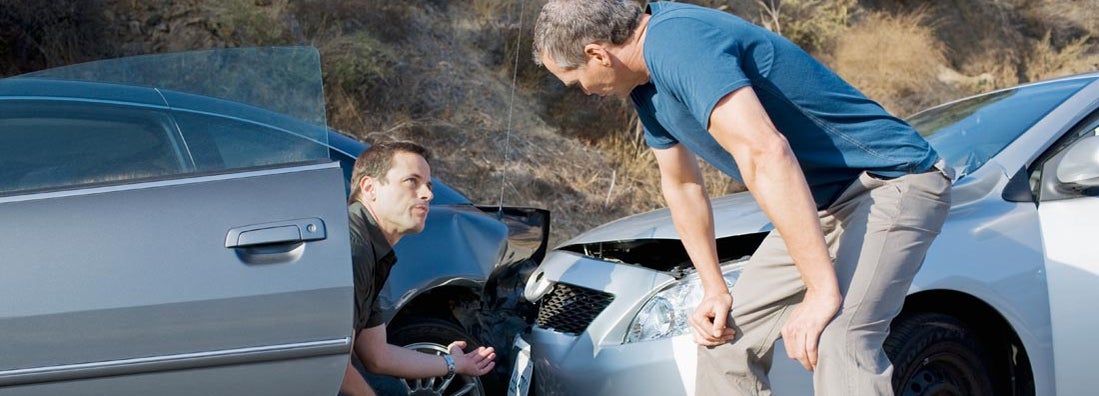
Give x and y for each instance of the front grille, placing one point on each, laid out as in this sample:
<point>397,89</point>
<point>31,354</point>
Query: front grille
<point>570,309</point>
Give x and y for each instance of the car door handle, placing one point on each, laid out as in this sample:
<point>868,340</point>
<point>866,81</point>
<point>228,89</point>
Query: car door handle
<point>280,232</point>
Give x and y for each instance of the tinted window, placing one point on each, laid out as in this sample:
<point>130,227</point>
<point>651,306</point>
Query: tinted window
<point>219,143</point>
<point>970,132</point>
<point>45,144</point>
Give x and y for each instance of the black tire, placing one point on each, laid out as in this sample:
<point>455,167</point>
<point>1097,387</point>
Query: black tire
<point>937,354</point>
<point>431,335</point>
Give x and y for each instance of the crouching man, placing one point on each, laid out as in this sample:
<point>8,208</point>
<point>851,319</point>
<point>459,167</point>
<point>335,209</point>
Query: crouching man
<point>391,189</point>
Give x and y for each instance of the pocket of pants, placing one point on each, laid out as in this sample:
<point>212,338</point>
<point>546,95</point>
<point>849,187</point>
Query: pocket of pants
<point>925,202</point>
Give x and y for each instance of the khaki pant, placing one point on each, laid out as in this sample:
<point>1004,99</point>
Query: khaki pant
<point>878,231</point>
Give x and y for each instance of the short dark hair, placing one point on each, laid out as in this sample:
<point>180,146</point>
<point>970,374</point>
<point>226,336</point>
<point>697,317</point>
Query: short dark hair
<point>377,160</point>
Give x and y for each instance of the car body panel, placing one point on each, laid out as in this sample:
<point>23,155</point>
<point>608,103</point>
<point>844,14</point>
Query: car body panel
<point>1069,209</point>
<point>733,214</point>
<point>148,246</point>
<point>475,243</point>
<point>121,291</point>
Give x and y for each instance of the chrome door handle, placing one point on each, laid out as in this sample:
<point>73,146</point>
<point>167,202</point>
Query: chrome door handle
<point>280,232</point>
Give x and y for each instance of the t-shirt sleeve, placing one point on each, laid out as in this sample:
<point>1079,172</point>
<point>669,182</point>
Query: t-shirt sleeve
<point>375,318</point>
<point>694,62</point>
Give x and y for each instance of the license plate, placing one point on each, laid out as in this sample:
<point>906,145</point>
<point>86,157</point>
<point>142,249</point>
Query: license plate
<point>519,385</point>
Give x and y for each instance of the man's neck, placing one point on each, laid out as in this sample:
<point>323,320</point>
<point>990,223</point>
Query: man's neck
<point>632,53</point>
<point>391,236</point>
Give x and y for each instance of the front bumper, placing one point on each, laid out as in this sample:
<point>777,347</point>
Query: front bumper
<point>596,361</point>
<point>572,365</point>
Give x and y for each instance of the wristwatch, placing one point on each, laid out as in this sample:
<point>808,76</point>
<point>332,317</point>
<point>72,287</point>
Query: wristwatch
<point>449,367</point>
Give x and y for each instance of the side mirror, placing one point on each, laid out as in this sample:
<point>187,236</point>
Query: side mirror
<point>1080,166</point>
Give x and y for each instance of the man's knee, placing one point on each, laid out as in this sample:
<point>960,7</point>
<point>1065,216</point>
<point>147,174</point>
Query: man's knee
<point>847,344</point>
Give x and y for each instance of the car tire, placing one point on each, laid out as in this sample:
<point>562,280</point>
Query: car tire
<point>431,335</point>
<point>937,354</point>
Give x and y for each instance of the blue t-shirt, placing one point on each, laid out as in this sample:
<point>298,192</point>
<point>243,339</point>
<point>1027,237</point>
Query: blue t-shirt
<point>696,56</point>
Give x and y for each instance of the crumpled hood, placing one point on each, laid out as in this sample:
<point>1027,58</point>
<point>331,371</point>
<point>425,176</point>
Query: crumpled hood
<point>734,214</point>
<point>738,214</point>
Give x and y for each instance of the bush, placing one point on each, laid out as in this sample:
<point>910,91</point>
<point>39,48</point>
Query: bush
<point>894,60</point>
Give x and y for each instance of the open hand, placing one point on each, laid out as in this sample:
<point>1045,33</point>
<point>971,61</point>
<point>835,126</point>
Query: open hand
<point>475,363</point>
<point>708,319</point>
<point>802,330</point>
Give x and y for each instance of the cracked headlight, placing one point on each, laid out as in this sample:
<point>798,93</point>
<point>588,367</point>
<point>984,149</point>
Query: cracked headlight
<point>666,313</point>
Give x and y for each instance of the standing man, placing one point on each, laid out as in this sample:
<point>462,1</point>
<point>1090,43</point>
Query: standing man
<point>391,189</point>
<point>856,195</point>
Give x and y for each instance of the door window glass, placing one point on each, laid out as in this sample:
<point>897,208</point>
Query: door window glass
<point>49,145</point>
<point>219,142</point>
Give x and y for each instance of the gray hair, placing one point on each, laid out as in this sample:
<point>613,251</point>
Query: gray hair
<point>564,27</point>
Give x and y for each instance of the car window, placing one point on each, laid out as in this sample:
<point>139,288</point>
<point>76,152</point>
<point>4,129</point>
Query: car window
<point>50,144</point>
<point>153,116</point>
<point>220,143</point>
<point>969,132</point>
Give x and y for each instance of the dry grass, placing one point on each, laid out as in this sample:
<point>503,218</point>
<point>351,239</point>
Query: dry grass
<point>38,35</point>
<point>251,22</point>
<point>1047,61</point>
<point>894,59</point>
<point>815,25</point>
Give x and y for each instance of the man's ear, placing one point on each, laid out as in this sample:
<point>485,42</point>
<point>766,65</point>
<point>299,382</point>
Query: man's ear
<point>598,53</point>
<point>366,188</point>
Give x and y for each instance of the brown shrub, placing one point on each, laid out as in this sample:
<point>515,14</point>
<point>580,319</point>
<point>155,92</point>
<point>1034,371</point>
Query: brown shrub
<point>1046,61</point>
<point>894,60</point>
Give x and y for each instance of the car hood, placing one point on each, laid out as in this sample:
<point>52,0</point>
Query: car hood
<point>734,214</point>
<point>738,214</point>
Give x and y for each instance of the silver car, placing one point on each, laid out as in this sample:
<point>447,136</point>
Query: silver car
<point>176,224</point>
<point>999,307</point>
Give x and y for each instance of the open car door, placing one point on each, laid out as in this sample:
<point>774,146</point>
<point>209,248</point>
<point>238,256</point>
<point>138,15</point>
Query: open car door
<point>172,225</point>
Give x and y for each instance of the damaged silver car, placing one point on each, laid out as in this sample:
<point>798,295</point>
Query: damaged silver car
<point>995,308</point>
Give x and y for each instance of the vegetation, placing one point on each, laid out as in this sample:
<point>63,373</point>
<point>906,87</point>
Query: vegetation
<point>457,76</point>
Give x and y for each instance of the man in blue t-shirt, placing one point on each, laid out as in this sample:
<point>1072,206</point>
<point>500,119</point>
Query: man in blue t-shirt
<point>855,194</point>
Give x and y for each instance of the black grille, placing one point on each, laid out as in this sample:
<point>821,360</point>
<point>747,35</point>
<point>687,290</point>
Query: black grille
<point>570,309</point>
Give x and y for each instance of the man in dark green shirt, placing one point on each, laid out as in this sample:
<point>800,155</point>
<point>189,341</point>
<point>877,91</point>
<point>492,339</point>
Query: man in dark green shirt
<point>391,189</point>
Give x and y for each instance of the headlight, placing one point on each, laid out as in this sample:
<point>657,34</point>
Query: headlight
<point>666,313</point>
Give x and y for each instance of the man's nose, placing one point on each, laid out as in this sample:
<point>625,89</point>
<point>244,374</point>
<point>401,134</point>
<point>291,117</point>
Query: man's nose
<point>426,194</point>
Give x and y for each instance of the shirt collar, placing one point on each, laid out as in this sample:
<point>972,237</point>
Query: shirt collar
<point>373,232</point>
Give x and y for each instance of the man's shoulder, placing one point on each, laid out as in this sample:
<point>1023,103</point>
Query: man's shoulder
<point>362,248</point>
<point>677,13</point>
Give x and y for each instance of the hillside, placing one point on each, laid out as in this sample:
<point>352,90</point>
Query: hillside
<point>444,73</point>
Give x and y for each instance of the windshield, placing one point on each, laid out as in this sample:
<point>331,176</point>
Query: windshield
<point>969,132</point>
<point>284,80</point>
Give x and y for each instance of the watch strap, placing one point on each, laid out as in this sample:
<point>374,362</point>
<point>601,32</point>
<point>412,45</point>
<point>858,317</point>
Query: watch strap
<point>449,367</point>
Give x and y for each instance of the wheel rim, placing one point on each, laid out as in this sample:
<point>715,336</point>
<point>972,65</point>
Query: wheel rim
<point>940,375</point>
<point>460,385</point>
